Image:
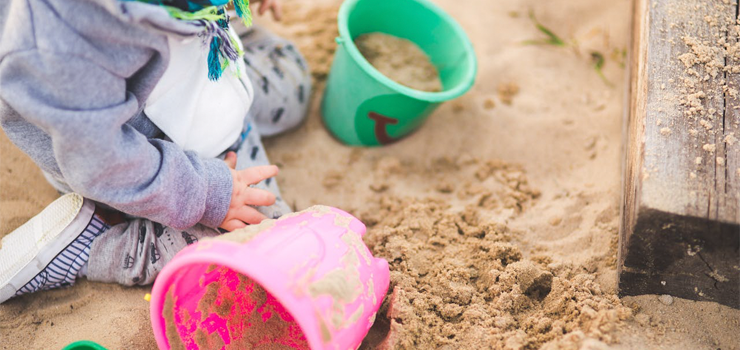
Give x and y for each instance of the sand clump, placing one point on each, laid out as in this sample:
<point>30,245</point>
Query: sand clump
<point>507,91</point>
<point>255,319</point>
<point>458,282</point>
<point>400,60</point>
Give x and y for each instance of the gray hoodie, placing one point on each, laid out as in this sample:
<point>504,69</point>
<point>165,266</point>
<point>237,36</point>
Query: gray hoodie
<point>74,78</point>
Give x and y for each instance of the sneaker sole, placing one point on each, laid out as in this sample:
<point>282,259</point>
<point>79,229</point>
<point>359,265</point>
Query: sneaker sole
<point>30,248</point>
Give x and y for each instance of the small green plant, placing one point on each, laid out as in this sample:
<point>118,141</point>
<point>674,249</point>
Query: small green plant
<point>552,38</point>
<point>597,58</point>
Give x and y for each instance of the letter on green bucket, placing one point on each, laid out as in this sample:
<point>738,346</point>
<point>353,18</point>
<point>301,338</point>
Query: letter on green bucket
<point>384,119</point>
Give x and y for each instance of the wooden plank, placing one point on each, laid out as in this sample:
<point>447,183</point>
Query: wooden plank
<point>729,139</point>
<point>680,231</point>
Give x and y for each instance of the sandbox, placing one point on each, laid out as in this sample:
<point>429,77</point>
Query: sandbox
<point>499,217</point>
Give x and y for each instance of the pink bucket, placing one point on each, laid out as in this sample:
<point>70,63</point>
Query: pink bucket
<point>318,276</point>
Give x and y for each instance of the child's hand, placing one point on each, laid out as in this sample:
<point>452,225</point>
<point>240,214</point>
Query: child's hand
<point>272,5</point>
<point>240,213</point>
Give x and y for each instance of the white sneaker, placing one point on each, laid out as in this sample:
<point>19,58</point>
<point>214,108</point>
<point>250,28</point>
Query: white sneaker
<point>49,250</point>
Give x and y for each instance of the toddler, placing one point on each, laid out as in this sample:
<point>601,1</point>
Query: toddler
<point>148,115</point>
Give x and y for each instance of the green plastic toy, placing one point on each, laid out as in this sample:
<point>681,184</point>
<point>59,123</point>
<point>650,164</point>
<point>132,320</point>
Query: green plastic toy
<point>84,345</point>
<point>363,107</point>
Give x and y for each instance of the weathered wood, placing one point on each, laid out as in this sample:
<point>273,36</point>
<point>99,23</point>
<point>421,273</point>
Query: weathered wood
<point>680,231</point>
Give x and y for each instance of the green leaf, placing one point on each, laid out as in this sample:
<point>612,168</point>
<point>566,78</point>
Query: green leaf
<point>552,38</point>
<point>598,61</point>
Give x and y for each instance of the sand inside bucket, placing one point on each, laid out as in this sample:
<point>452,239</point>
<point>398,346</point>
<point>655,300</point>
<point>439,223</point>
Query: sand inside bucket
<point>254,318</point>
<point>400,60</point>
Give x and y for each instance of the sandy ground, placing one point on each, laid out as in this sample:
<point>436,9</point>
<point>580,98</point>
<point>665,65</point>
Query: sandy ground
<point>531,153</point>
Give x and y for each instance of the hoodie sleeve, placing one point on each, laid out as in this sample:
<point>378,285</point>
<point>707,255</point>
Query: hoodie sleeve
<point>84,109</point>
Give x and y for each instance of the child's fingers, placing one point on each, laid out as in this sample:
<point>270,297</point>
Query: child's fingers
<point>256,174</point>
<point>241,216</point>
<point>232,225</point>
<point>230,159</point>
<point>256,196</point>
<point>249,215</point>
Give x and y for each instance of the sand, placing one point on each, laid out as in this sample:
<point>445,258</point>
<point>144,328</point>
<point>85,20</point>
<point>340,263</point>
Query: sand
<point>399,59</point>
<point>460,282</point>
<point>540,176</point>
<point>245,305</point>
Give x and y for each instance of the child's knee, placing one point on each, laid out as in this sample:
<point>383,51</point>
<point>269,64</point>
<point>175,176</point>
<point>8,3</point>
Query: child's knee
<point>299,83</point>
<point>283,85</point>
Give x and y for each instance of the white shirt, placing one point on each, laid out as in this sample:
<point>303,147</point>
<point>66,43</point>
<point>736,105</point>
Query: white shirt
<point>194,112</point>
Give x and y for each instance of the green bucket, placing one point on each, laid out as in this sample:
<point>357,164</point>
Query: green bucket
<point>84,345</point>
<point>363,107</point>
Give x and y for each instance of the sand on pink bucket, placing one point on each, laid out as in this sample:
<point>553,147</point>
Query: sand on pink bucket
<point>254,318</point>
